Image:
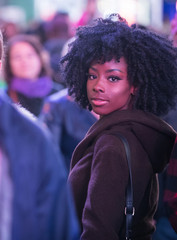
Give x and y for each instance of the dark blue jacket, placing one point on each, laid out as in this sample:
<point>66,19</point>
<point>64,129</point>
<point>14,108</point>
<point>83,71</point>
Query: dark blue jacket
<point>42,204</point>
<point>67,121</point>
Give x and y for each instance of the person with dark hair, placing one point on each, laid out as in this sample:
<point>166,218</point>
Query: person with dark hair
<point>170,196</point>
<point>58,31</point>
<point>27,72</point>
<point>167,179</point>
<point>128,76</point>
<point>35,199</point>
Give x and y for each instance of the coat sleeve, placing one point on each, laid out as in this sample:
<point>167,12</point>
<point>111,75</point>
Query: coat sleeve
<point>103,213</point>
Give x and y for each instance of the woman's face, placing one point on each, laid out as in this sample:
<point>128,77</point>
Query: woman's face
<point>108,88</point>
<point>24,61</point>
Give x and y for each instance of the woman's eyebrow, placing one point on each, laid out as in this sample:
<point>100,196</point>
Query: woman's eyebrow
<point>92,68</point>
<point>114,69</point>
<point>107,71</point>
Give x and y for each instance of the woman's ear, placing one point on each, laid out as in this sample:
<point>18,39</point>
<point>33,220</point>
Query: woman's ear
<point>133,90</point>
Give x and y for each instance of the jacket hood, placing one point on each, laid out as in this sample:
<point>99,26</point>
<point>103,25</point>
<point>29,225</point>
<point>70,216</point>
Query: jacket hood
<point>155,135</point>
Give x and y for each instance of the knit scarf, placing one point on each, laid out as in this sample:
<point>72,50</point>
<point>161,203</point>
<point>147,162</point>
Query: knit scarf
<point>41,87</point>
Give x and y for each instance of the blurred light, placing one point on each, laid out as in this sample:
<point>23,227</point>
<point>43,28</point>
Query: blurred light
<point>13,14</point>
<point>47,8</point>
<point>143,12</point>
<point>157,14</point>
<point>127,9</point>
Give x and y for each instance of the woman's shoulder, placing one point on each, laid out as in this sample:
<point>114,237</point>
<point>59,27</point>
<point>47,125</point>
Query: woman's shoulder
<point>109,141</point>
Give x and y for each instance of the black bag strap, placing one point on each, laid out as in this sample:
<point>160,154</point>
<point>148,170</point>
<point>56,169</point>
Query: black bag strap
<point>129,209</point>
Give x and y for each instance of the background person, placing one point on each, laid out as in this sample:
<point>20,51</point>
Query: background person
<point>27,72</point>
<point>167,183</point>
<point>35,199</point>
<point>67,121</point>
<point>58,30</point>
<point>170,196</point>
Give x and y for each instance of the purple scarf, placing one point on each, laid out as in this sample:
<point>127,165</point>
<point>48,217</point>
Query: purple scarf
<point>39,88</point>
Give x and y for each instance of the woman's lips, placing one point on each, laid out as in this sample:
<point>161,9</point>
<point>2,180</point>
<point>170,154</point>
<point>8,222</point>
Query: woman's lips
<point>98,101</point>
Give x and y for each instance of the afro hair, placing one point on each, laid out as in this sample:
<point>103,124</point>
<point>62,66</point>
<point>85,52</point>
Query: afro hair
<point>151,62</point>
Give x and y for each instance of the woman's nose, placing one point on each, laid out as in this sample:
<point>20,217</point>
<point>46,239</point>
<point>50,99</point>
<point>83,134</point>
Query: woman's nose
<point>99,86</point>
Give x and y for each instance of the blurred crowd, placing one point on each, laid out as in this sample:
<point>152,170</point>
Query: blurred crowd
<point>52,34</point>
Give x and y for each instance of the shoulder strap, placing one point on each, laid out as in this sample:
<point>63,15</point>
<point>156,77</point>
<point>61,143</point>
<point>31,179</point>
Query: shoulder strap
<point>129,209</point>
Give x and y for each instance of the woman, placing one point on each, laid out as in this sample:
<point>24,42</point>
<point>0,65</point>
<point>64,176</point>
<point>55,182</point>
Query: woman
<point>128,76</point>
<point>26,72</point>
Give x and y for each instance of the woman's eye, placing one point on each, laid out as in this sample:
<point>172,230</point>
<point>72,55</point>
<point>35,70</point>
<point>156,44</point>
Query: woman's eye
<point>91,76</point>
<point>113,78</point>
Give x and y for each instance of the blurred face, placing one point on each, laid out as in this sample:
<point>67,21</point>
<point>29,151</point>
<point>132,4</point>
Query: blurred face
<point>108,88</point>
<point>24,61</point>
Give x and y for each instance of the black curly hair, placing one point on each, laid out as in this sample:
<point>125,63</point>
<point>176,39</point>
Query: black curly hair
<point>151,60</point>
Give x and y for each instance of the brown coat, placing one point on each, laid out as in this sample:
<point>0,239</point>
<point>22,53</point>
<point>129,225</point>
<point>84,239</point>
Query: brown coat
<point>99,174</point>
